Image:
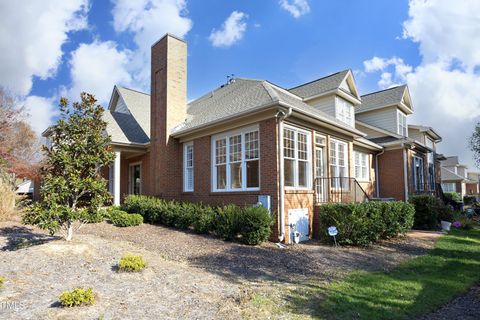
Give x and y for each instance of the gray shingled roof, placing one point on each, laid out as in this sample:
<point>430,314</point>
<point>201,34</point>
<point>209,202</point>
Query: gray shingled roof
<point>132,125</point>
<point>320,86</point>
<point>242,96</point>
<point>448,175</point>
<point>380,99</point>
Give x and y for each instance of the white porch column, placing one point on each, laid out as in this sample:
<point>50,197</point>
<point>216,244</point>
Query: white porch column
<point>116,179</point>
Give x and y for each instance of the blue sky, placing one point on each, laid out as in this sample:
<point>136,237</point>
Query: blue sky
<point>64,48</point>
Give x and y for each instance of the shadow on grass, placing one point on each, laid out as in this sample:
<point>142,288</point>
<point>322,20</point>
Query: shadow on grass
<point>23,237</point>
<point>415,287</point>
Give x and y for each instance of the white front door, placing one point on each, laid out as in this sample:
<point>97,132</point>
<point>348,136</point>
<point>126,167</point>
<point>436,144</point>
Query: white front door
<point>298,223</point>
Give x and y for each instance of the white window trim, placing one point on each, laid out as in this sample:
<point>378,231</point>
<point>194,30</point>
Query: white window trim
<point>185,181</point>
<point>130,182</point>
<point>367,165</point>
<point>226,136</point>
<point>401,115</point>
<point>422,184</point>
<point>350,110</point>
<point>346,160</point>
<point>309,159</point>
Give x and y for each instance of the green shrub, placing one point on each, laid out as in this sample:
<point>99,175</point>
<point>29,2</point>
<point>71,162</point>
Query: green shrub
<point>99,216</point>
<point>203,223</point>
<point>221,221</point>
<point>123,219</point>
<point>225,225</point>
<point>131,263</point>
<point>77,297</point>
<point>2,282</point>
<point>426,211</point>
<point>444,213</point>
<point>365,223</point>
<point>469,200</point>
<point>254,225</point>
<point>453,196</point>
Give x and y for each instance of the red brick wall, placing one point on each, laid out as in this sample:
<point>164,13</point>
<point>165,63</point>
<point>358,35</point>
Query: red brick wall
<point>202,173</point>
<point>472,188</point>
<point>391,178</point>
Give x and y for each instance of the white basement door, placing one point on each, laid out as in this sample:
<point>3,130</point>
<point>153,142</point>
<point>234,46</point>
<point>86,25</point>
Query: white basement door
<point>298,221</point>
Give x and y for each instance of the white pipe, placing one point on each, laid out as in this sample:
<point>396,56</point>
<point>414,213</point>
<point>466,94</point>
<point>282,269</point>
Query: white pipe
<point>377,177</point>
<point>405,172</point>
<point>116,179</point>
<point>281,185</point>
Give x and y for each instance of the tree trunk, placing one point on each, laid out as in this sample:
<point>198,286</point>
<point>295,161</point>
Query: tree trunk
<point>69,231</point>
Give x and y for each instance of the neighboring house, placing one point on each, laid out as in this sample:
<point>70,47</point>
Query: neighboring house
<point>473,187</point>
<point>251,141</point>
<point>455,177</point>
<point>408,163</point>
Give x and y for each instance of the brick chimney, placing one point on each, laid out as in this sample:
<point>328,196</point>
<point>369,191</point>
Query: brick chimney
<point>168,101</point>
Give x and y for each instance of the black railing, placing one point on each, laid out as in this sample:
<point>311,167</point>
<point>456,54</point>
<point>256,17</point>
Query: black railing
<point>339,189</point>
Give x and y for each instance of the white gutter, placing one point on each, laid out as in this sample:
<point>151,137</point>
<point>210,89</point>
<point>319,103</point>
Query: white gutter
<point>405,174</point>
<point>281,115</point>
<point>377,177</point>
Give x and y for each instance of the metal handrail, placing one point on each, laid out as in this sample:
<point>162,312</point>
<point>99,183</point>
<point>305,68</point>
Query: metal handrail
<point>339,189</point>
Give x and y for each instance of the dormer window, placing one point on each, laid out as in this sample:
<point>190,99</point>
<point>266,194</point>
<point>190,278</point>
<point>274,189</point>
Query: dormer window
<point>344,111</point>
<point>402,128</point>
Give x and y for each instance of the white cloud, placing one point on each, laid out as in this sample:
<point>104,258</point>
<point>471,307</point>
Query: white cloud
<point>148,20</point>
<point>445,87</point>
<point>231,32</point>
<point>396,75</point>
<point>445,30</point>
<point>41,112</point>
<point>31,37</point>
<point>96,68</point>
<point>297,8</point>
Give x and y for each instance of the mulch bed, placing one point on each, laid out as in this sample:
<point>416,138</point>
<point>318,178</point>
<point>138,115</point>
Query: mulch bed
<point>464,307</point>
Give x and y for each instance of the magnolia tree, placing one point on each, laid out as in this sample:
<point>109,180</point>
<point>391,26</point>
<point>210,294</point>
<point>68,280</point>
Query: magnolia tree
<point>73,189</point>
<point>475,144</point>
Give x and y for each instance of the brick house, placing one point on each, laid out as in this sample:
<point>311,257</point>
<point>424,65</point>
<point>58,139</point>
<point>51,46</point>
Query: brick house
<point>456,178</point>
<point>408,163</point>
<point>252,141</point>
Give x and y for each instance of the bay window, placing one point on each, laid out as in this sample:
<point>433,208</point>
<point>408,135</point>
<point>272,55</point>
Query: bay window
<point>297,157</point>
<point>361,166</point>
<point>188,167</point>
<point>236,160</point>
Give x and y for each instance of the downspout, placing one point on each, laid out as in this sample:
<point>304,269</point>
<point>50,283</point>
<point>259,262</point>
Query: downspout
<point>405,172</point>
<point>281,115</point>
<point>377,176</point>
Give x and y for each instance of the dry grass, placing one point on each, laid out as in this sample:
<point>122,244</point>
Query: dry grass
<point>7,202</point>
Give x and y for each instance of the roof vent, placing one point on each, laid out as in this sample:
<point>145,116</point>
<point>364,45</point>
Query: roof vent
<point>230,79</point>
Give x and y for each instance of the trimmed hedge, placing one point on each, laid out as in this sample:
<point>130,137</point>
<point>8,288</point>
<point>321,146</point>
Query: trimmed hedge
<point>469,200</point>
<point>429,211</point>
<point>131,263</point>
<point>121,218</point>
<point>365,223</point>
<point>250,225</point>
<point>452,196</point>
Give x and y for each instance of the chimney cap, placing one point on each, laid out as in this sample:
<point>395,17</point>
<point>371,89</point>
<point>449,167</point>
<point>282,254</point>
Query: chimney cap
<point>171,36</point>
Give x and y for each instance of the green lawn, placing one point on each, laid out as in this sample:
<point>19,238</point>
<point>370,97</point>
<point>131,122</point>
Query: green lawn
<point>414,287</point>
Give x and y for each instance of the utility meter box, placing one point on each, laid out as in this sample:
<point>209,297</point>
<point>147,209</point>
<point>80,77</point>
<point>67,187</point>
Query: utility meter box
<point>264,201</point>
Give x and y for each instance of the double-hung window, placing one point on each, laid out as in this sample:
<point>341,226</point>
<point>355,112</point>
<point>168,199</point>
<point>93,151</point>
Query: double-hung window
<point>297,157</point>
<point>344,111</point>
<point>338,164</point>
<point>361,166</point>
<point>402,128</point>
<point>418,180</point>
<point>236,160</point>
<point>188,167</point>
